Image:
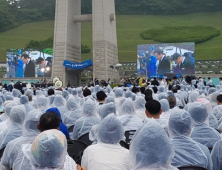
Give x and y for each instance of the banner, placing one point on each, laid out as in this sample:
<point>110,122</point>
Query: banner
<point>77,66</point>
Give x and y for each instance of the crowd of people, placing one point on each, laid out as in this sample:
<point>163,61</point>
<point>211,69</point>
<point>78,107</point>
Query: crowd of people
<point>171,125</point>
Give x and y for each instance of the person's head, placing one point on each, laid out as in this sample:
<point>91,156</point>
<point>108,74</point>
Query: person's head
<point>25,58</point>
<point>17,114</point>
<point>51,92</point>
<point>219,99</point>
<point>159,54</point>
<point>119,92</point>
<point>42,103</point>
<point>174,89</point>
<point>101,96</point>
<point>24,99</point>
<point>208,78</point>
<point>140,103</point>
<point>30,127</point>
<point>7,107</point>
<point>180,123</point>
<point>213,96</point>
<point>49,150</point>
<point>148,91</point>
<point>59,101</point>
<point>109,99</point>
<point>16,93</point>
<point>142,90</point>
<point>151,147</point>
<point>161,89</point>
<point>71,104</point>
<point>153,109</point>
<point>65,94</point>
<point>203,79</point>
<point>127,108</point>
<point>86,92</point>
<point>193,96</point>
<point>172,101</point>
<point>177,58</point>
<point>220,78</point>
<point>89,108</point>
<point>49,120</point>
<point>110,130</point>
<point>106,109</point>
<point>74,92</point>
<point>165,107</point>
<point>148,97</point>
<point>128,94</point>
<point>40,61</point>
<point>198,112</point>
<point>9,97</point>
<point>155,89</point>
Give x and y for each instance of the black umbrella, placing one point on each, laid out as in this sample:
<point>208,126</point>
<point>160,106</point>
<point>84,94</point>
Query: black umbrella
<point>169,75</point>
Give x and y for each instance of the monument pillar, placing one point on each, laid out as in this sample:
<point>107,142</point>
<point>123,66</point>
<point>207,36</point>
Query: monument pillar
<point>105,50</point>
<point>67,40</point>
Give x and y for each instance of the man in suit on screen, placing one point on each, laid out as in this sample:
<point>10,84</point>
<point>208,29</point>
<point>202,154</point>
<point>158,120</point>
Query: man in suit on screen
<point>164,63</point>
<point>29,66</point>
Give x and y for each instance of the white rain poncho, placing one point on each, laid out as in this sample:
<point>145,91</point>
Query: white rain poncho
<point>29,92</point>
<point>16,93</point>
<point>213,99</point>
<point>89,119</point>
<point>60,103</point>
<point>109,99</point>
<point>119,96</point>
<point>151,148</point>
<point>73,114</point>
<point>41,103</point>
<point>103,111</point>
<point>161,89</point>
<point>25,102</point>
<point>217,112</point>
<point>37,157</point>
<point>140,107</point>
<point>165,109</point>
<point>29,132</point>
<point>211,90</point>
<point>133,97</point>
<point>128,94</point>
<point>128,116</point>
<point>163,96</point>
<point>202,132</point>
<point>65,94</point>
<point>15,122</point>
<point>75,95</point>
<point>3,116</point>
<point>51,99</point>
<point>9,97</point>
<point>2,97</point>
<point>187,151</point>
<point>193,96</point>
<point>107,154</point>
<point>80,92</point>
<point>216,155</point>
<point>39,93</point>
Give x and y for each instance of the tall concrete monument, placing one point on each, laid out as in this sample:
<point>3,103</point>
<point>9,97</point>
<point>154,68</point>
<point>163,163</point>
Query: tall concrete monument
<point>67,39</point>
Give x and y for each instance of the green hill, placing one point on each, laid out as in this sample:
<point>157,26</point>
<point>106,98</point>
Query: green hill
<point>129,28</point>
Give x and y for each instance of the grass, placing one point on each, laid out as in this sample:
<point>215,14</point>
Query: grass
<point>129,29</point>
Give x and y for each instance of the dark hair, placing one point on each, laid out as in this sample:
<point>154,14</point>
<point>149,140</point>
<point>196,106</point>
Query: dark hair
<point>148,91</point>
<point>208,77</point>
<point>220,78</point>
<point>39,60</point>
<point>174,89</point>
<point>101,95</point>
<point>153,107</point>
<point>49,120</point>
<point>148,97</point>
<point>155,89</point>
<point>86,92</point>
<point>158,52</point>
<point>135,90</point>
<point>172,100</point>
<point>175,56</point>
<point>219,98</point>
<point>142,90</point>
<point>51,92</point>
<point>25,56</point>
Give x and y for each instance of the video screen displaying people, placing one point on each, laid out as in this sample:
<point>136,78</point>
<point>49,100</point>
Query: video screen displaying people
<point>155,60</point>
<point>23,63</point>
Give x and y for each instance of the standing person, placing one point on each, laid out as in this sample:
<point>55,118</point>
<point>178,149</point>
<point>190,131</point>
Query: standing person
<point>46,64</point>
<point>19,66</point>
<point>164,64</point>
<point>29,66</point>
<point>204,82</point>
<point>210,82</point>
<point>220,80</point>
<point>10,68</point>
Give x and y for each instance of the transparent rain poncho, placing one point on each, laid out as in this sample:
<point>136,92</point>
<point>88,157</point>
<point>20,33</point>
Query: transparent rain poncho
<point>109,99</point>
<point>128,116</point>
<point>87,121</point>
<point>192,153</point>
<point>133,97</point>
<point>65,94</point>
<point>216,155</point>
<point>217,112</point>
<point>110,130</point>
<point>80,92</point>
<point>163,96</point>
<point>161,89</point>
<point>213,99</point>
<point>29,132</point>
<point>165,109</point>
<point>70,90</point>
<point>15,122</point>
<point>193,96</point>
<point>25,102</point>
<point>55,157</point>
<point>151,148</point>
<point>128,94</point>
<point>39,93</point>
<point>73,114</point>
<point>9,97</point>
<point>2,97</point>
<point>202,132</point>
<point>140,107</point>
<point>30,92</point>
<point>118,96</point>
<point>211,90</point>
<point>60,103</point>
<point>42,103</point>
<point>51,99</point>
<point>96,89</point>
<point>16,93</point>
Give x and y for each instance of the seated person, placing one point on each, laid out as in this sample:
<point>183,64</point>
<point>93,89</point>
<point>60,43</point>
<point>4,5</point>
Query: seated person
<point>217,110</point>
<point>60,103</point>
<point>118,97</point>
<point>128,116</point>
<point>25,101</point>
<point>202,132</point>
<point>187,151</point>
<point>29,132</point>
<point>15,123</point>
<point>109,99</point>
<point>107,154</point>
<point>216,155</point>
<point>140,107</point>
<point>65,94</point>
<point>101,97</point>
<point>48,151</point>
<point>151,148</point>
<point>103,111</point>
<point>165,107</point>
<point>42,104</point>
<point>74,112</point>
<point>89,119</point>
